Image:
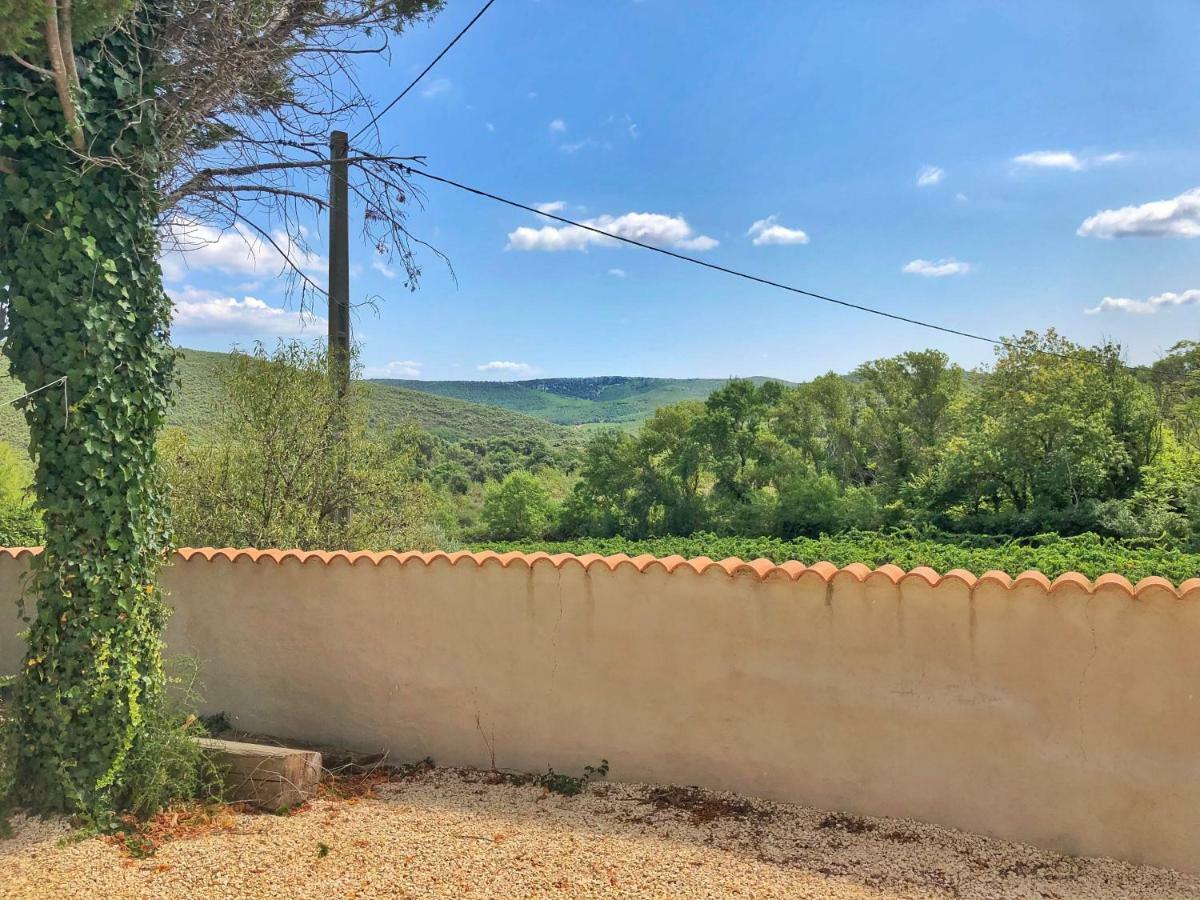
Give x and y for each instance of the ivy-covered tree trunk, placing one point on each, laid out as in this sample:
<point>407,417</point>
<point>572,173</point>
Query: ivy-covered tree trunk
<point>87,315</point>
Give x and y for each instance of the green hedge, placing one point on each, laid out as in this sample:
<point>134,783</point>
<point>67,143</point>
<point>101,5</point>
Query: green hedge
<point>1049,553</point>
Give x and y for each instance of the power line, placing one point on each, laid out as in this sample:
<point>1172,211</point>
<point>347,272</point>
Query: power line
<point>998,342</point>
<point>424,71</point>
<point>945,329</point>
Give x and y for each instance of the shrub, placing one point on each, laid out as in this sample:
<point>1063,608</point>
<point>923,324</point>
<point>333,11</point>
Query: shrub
<point>1051,554</point>
<point>516,508</point>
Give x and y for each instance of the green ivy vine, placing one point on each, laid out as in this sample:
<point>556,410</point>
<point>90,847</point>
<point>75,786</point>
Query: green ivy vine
<point>86,308</point>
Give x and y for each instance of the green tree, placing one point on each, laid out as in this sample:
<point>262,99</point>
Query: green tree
<point>735,427</point>
<point>606,500</point>
<point>823,420</point>
<point>118,116</point>
<point>908,399</point>
<point>673,458</point>
<point>1053,430</point>
<point>290,455</point>
<point>516,508</point>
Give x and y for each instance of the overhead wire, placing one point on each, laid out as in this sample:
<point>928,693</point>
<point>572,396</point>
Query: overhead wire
<point>998,342</point>
<point>379,115</point>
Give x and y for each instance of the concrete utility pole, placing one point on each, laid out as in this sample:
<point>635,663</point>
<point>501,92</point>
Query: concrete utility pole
<point>339,262</point>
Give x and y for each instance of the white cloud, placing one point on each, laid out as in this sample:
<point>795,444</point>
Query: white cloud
<point>768,231</point>
<point>960,197</point>
<point>397,368</point>
<point>929,176</point>
<point>238,250</point>
<point>554,206</point>
<point>506,367</point>
<point>489,126</point>
<point>1147,306</point>
<point>437,88</point>
<point>650,228</point>
<point>207,311</point>
<point>558,126</point>
<point>1177,217</point>
<point>1065,159</point>
<point>383,268</point>
<point>1049,159</point>
<point>617,273</point>
<point>936,268</point>
<point>700,242</point>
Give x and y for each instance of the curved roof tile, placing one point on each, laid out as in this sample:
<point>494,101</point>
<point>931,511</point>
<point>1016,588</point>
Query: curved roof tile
<point>759,569</point>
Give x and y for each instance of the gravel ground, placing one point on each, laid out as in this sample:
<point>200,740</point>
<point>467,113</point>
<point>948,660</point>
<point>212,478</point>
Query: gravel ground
<point>449,833</point>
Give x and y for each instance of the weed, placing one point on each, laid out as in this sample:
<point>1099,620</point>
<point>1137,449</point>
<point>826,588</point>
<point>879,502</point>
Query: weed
<point>322,851</point>
<point>570,785</point>
<point>166,765</point>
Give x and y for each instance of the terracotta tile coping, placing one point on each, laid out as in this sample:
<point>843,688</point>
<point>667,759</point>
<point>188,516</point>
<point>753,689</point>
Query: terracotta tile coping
<point>759,569</point>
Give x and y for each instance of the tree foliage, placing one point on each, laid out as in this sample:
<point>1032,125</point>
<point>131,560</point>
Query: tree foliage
<point>517,507</point>
<point>1053,437</point>
<point>291,456</point>
<point>118,118</point>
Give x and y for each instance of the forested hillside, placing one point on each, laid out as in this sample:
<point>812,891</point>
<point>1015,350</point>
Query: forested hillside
<point>610,399</point>
<point>1057,457</point>
<point>200,392</point>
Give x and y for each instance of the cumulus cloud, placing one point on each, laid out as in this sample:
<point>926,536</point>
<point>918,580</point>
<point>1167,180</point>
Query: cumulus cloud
<point>558,126</point>
<point>939,268</point>
<point>208,311</point>
<point>397,368</point>
<point>929,176</point>
<point>1148,306</point>
<point>1065,159</point>
<point>239,250</point>
<point>700,242</point>
<point>554,206</point>
<point>650,228</point>
<point>769,231</point>
<point>1177,217</point>
<point>506,367</point>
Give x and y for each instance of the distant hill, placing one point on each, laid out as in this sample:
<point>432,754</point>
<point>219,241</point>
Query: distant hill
<point>454,410</point>
<point>613,399</point>
<point>454,420</point>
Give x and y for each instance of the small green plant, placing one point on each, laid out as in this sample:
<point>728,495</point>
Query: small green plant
<point>570,785</point>
<point>322,851</point>
<point>166,765</point>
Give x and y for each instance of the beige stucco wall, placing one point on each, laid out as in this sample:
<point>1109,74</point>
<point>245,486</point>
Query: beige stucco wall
<point>1065,717</point>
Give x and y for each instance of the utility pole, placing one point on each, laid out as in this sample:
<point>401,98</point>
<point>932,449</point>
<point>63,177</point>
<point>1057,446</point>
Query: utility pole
<point>339,279</point>
<point>339,263</point>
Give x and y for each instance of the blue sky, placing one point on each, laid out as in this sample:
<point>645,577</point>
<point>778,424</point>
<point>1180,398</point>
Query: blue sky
<point>992,166</point>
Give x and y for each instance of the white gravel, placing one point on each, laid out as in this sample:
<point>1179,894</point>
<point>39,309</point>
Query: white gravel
<point>449,833</point>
